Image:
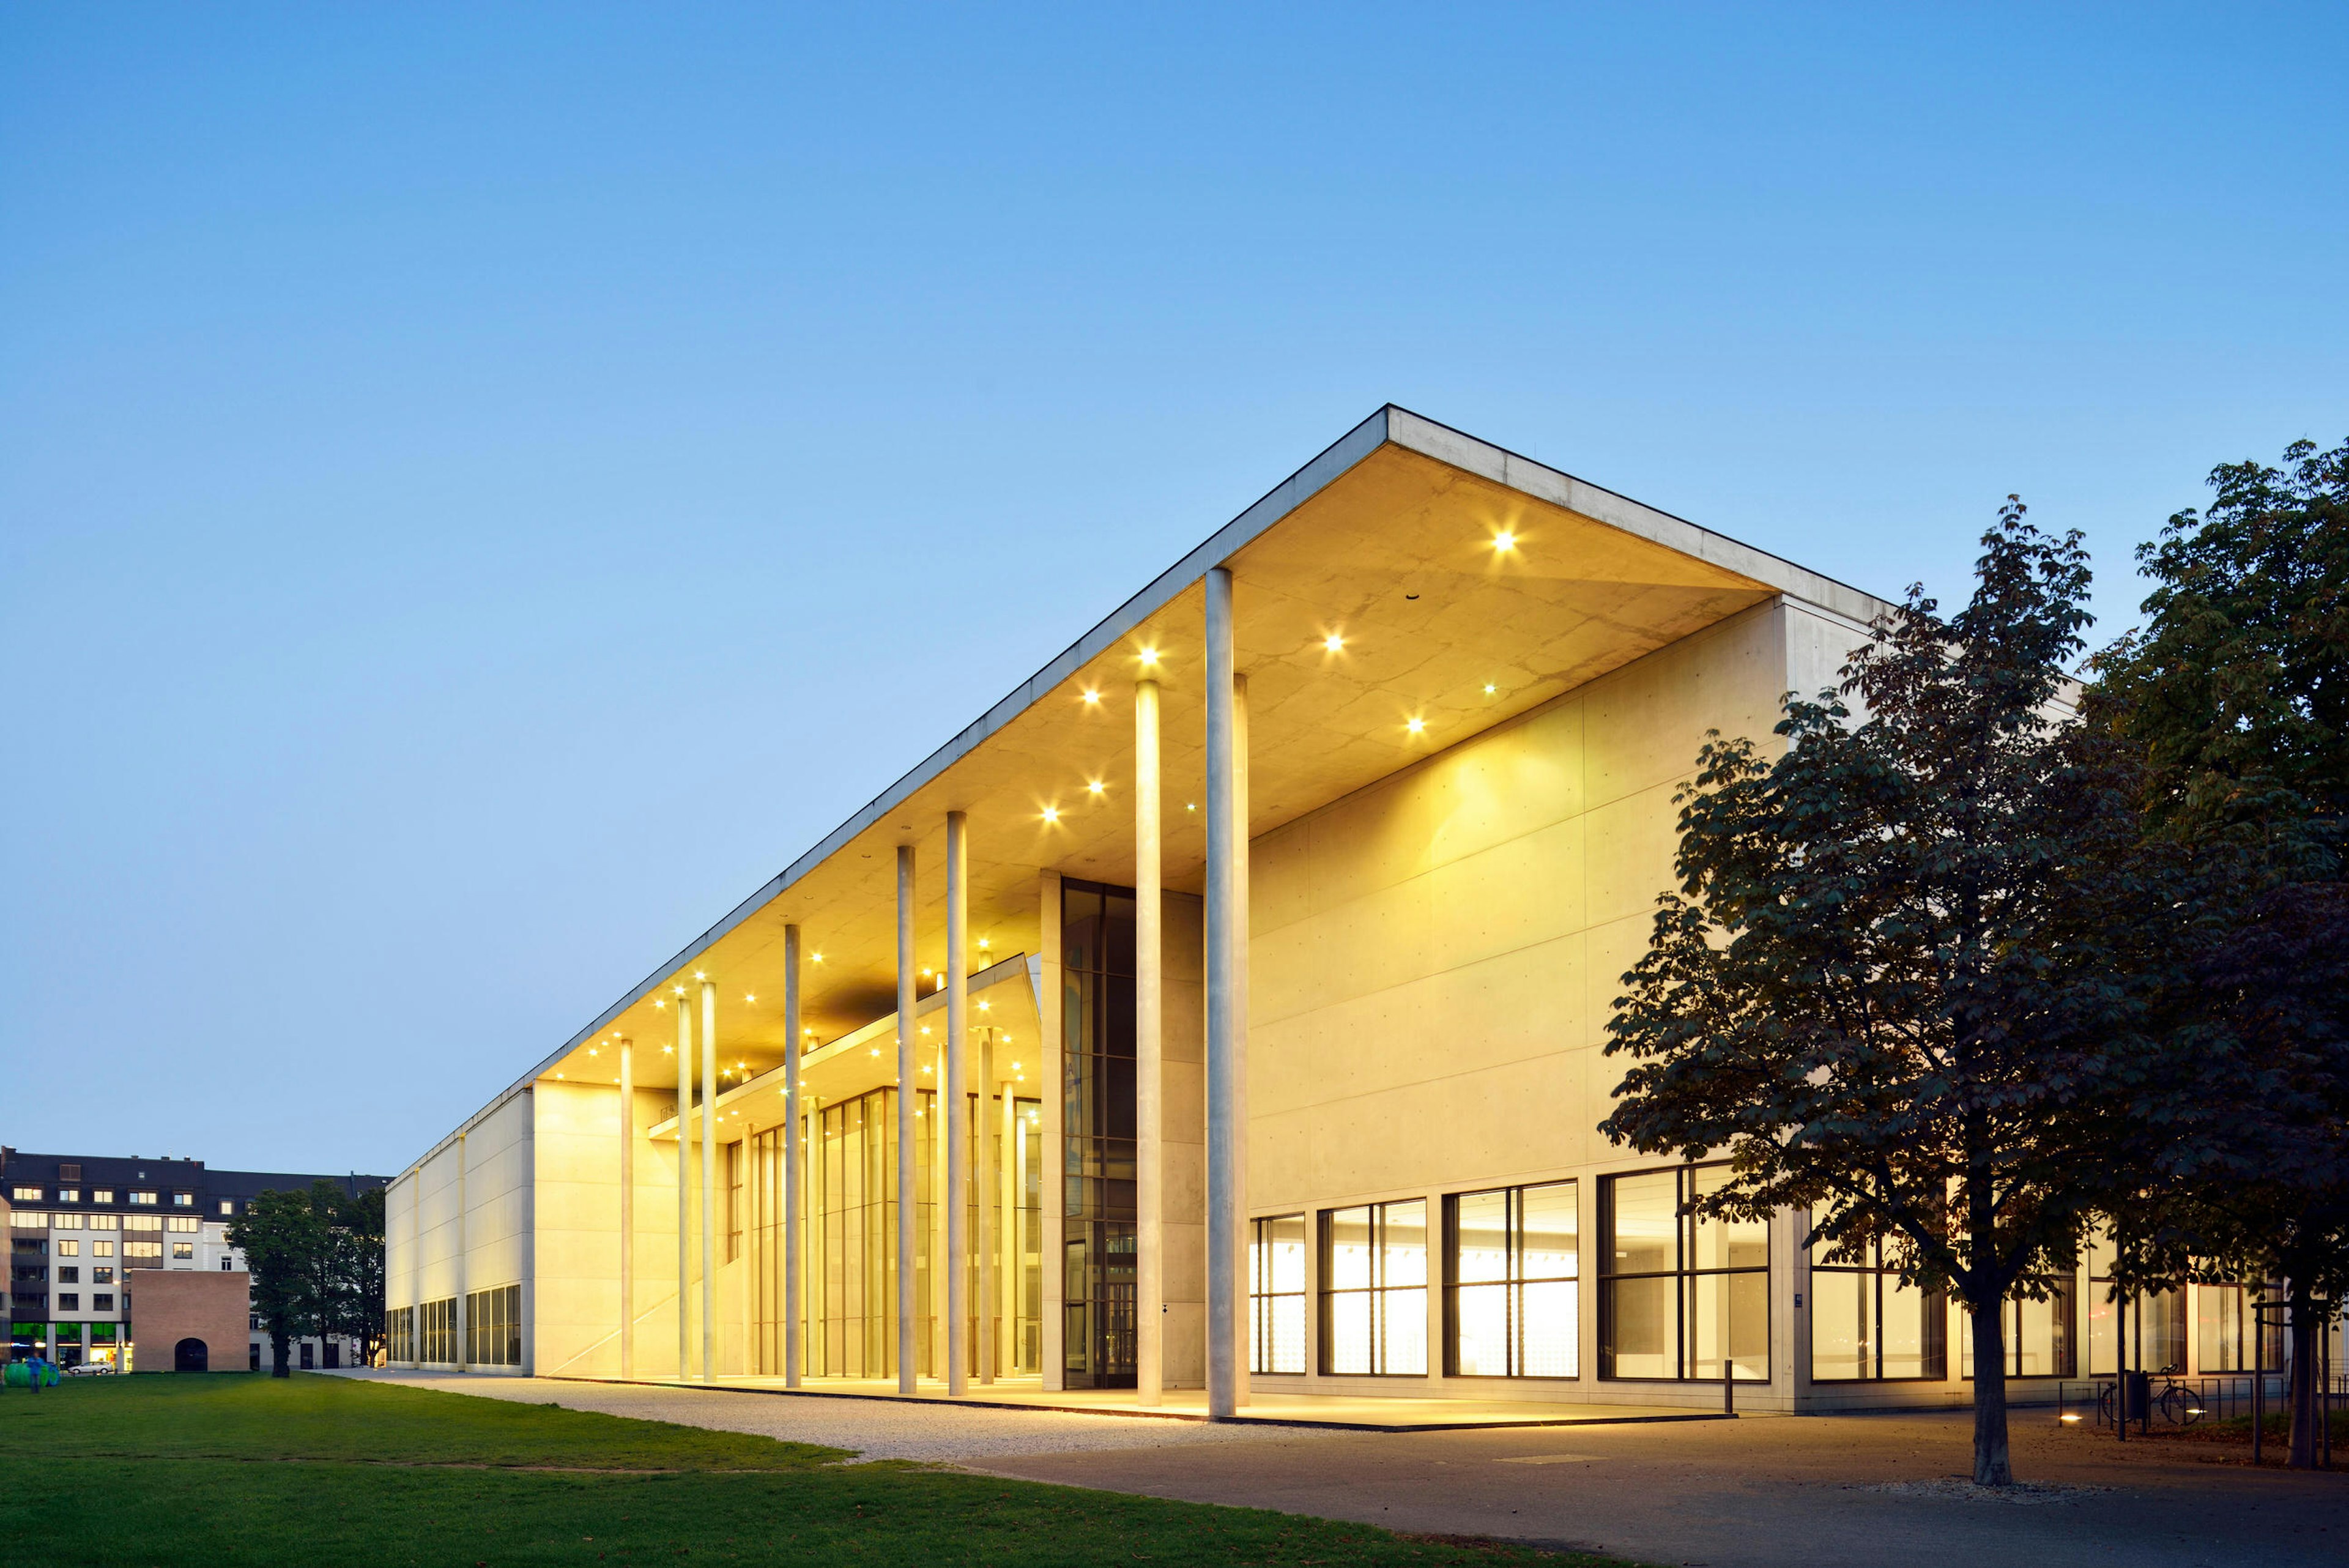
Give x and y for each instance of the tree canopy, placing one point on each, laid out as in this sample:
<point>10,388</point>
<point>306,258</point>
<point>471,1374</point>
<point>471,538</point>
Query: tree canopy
<point>1905,981</point>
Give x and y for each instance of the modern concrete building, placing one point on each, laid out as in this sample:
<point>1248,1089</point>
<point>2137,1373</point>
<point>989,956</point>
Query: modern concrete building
<point>1259,948</point>
<point>80,1225</point>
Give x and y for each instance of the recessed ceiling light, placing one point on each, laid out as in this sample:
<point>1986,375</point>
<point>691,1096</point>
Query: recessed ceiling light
<point>1488,688</point>
<point>1504,540</point>
<point>1095,785</point>
<point>1149,656</point>
<point>1416,726</point>
<point>1091,695</point>
<point>1333,642</point>
<point>1052,813</point>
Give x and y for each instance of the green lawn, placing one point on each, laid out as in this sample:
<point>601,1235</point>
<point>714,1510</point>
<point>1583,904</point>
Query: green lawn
<point>188,1472</point>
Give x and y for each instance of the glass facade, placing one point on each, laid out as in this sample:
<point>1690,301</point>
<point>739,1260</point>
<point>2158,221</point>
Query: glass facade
<point>1374,1290</point>
<point>1512,1278</point>
<point>1676,1290</point>
<point>851,1236</point>
<point>1867,1326</point>
<point>438,1333</point>
<point>2156,1321</point>
<point>493,1327</point>
<point>1097,1124</point>
<point>2040,1336</point>
<point>1277,1294</point>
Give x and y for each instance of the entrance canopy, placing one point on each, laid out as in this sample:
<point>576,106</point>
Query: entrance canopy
<point>1407,589</point>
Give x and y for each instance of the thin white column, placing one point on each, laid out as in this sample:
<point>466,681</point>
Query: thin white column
<point>982,1184</point>
<point>790,1326</point>
<point>908,1075</point>
<point>953,1105</point>
<point>709,1181</point>
<point>1239,1056</point>
<point>684,1185</point>
<point>936,1300</point>
<point>1051,1092</point>
<point>1223,1212</point>
<point>1009,1185</point>
<point>1150,1230</point>
<point>627,1209</point>
<point>464,1350</point>
<point>415,1267</point>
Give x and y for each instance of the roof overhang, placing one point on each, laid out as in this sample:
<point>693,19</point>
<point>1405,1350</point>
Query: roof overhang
<point>1386,540</point>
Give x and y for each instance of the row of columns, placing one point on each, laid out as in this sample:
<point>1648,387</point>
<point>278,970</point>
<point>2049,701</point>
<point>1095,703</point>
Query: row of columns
<point>1226,1066</point>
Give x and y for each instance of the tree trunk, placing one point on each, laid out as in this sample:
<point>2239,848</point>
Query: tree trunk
<point>277,1355</point>
<point>1990,1466</point>
<point>2306,1412</point>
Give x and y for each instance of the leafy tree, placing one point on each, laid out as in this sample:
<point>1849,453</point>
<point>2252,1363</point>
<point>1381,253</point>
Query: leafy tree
<point>2237,693</point>
<point>282,1237</point>
<point>356,1236</point>
<point>1904,982</point>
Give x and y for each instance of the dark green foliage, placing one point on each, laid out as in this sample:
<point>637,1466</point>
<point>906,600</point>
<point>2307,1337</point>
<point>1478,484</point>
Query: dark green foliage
<point>283,1238</point>
<point>1906,980</point>
<point>2237,693</point>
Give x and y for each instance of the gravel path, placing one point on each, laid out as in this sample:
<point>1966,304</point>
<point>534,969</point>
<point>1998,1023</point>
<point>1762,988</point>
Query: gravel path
<point>873,1428</point>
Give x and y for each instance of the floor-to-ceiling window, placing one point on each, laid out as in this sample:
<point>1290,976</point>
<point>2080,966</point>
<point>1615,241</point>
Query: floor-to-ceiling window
<point>853,1223</point>
<point>1865,1324</point>
<point>1374,1290</point>
<point>2157,1320</point>
<point>1097,1236</point>
<point>850,1240</point>
<point>1512,1278</point>
<point>1277,1294</point>
<point>1675,1289</point>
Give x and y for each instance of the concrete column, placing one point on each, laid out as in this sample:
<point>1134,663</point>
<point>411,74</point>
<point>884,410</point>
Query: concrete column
<point>954,1103</point>
<point>1223,1004</point>
<point>709,1181</point>
<point>810,1143</point>
<point>983,1184</point>
<point>1050,1086</point>
<point>1239,933</point>
<point>1149,1011</point>
<point>909,1075</point>
<point>464,1351</point>
<point>684,1185</point>
<point>936,1299</point>
<point>1009,1184</point>
<point>627,1209</point>
<point>754,1201</point>
<point>791,1187</point>
<point>415,1267</point>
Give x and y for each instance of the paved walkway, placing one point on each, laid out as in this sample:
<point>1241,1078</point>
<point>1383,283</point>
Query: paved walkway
<point>1855,1491</point>
<point>928,1430</point>
<point>1769,1492</point>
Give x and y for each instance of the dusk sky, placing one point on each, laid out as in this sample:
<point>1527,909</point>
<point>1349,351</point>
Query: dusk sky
<point>482,488</point>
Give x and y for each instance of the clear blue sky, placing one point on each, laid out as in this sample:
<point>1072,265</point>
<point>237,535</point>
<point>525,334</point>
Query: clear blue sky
<point>483,487</point>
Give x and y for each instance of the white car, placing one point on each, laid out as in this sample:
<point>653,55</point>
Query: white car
<point>92,1369</point>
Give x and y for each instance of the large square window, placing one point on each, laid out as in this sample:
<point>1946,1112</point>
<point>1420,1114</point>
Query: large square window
<point>1513,1303</point>
<point>1677,1290</point>
<point>1374,1290</point>
<point>1867,1326</point>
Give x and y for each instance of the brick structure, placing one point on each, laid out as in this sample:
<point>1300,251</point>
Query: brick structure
<point>172,1305</point>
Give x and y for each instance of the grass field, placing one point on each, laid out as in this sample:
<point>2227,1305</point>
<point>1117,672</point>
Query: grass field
<point>191,1472</point>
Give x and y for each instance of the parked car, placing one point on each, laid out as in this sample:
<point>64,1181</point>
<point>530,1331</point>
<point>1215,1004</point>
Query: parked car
<point>92,1369</point>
